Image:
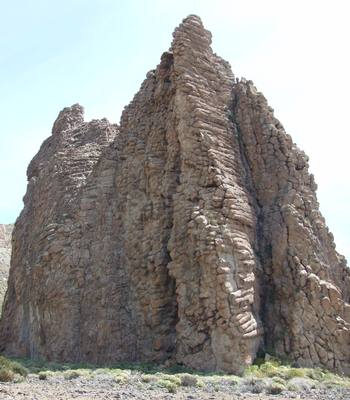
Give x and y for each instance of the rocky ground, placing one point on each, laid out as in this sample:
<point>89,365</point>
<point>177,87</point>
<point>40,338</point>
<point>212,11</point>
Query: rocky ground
<point>125,384</point>
<point>106,388</point>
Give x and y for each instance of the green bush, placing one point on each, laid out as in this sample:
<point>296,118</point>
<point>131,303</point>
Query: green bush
<point>291,373</point>
<point>253,384</point>
<point>275,388</point>
<point>300,384</point>
<point>121,378</point>
<point>17,368</point>
<point>278,379</point>
<point>10,369</point>
<point>148,378</point>
<point>292,387</point>
<point>42,375</point>
<point>316,374</point>
<point>6,375</point>
<point>188,380</point>
<point>71,374</point>
<point>171,378</point>
<point>166,384</point>
<point>270,369</point>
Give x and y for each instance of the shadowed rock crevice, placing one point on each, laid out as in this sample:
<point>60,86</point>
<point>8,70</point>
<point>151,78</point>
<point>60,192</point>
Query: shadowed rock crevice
<point>190,232</point>
<point>304,275</point>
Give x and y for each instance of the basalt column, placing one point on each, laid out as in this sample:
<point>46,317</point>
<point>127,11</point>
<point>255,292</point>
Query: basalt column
<point>213,236</point>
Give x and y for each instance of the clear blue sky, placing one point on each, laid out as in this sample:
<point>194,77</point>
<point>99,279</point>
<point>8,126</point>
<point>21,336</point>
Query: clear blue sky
<point>97,52</point>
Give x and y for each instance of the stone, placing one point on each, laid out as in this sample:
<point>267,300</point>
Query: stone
<point>189,233</point>
<point>5,256</point>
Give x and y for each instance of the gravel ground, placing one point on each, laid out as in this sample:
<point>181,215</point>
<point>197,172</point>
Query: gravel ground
<point>105,387</point>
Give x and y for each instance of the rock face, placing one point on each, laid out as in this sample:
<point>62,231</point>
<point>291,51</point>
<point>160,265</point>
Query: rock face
<point>5,255</point>
<point>191,232</point>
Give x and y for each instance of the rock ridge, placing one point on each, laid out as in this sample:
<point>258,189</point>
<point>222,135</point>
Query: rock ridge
<point>190,232</point>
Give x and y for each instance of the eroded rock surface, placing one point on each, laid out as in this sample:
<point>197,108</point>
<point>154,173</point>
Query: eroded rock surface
<point>5,256</point>
<point>44,280</point>
<point>191,232</point>
<point>305,285</point>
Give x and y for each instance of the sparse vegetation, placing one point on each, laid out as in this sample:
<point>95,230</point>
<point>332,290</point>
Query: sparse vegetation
<point>11,370</point>
<point>275,388</point>
<point>169,385</point>
<point>271,377</point>
<point>76,373</point>
<point>43,375</point>
<point>189,380</point>
<point>296,379</point>
<point>253,384</point>
<point>6,375</point>
<point>147,378</point>
<point>300,384</point>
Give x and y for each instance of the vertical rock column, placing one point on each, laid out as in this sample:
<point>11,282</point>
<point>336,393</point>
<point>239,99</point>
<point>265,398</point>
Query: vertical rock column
<point>212,240</point>
<point>147,171</point>
<point>306,309</point>
<point>41,317</point>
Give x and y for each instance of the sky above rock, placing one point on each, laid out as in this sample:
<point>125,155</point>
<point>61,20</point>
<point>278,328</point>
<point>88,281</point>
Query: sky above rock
<point>97,53</point>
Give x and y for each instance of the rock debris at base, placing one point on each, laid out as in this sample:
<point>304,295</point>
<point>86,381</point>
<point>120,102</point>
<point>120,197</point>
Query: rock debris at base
<point>105,388</point>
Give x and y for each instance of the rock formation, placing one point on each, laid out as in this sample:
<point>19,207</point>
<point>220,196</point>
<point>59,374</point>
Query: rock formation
<point>191,232</point>
<point>5,255</point>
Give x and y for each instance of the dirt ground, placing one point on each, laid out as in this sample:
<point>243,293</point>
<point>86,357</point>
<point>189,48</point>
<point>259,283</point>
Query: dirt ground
<point>103,388</point>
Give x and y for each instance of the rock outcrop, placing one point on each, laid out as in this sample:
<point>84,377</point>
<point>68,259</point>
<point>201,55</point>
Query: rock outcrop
<point>5,256</point>
<point>191,232</point>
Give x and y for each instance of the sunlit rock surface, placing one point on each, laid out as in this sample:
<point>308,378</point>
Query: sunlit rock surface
<point>5,256</point>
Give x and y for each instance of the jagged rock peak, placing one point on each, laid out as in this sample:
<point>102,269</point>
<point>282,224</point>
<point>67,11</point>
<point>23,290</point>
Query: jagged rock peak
<point>191,32</point>
<point>69,118</point>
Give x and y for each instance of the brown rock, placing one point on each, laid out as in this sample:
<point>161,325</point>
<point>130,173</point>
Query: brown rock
<point>191,232</point>
<point>5,255</point>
